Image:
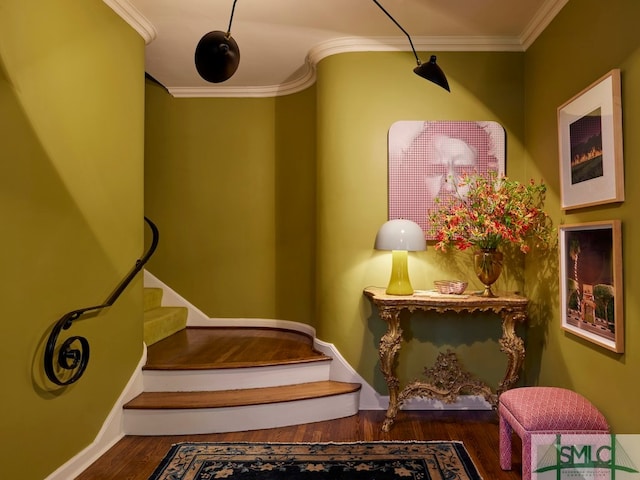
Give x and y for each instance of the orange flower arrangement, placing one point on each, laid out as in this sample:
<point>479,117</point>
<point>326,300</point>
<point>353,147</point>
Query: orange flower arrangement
<point>494,211</point>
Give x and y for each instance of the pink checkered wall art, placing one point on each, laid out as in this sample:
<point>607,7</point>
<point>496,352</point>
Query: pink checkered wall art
<point>427,159</point>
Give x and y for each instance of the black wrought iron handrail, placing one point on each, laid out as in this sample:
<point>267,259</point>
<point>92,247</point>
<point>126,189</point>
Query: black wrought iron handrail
<point>73,354</point>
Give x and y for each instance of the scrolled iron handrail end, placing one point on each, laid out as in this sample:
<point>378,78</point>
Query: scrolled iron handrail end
<point>69,358</point>
<point>75,359</point>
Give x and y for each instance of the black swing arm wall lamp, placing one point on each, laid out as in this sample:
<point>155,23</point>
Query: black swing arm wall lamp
<point>430,70</point>
<point>217,55</point>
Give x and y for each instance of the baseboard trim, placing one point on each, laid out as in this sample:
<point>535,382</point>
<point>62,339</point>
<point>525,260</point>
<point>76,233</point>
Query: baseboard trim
<point>111,432</point>
<point>370,399</point>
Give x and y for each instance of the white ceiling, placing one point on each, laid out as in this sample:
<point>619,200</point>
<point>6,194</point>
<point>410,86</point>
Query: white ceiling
<point>281,40</point>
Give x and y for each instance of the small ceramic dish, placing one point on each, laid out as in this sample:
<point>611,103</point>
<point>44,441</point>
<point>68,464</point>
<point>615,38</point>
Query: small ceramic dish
<point>456,287</point>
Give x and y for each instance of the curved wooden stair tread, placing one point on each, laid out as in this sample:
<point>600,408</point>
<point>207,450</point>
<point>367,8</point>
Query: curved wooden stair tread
<point>204,379</point>
<point>237,398</point>
<point>196,348</point>
<point>229,365</point>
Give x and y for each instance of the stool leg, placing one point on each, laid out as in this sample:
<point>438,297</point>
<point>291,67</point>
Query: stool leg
<point>526,456</point>
<point>505,444</point>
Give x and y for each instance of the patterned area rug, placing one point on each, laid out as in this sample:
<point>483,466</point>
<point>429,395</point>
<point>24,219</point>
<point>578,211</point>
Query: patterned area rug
<point>317,461</point>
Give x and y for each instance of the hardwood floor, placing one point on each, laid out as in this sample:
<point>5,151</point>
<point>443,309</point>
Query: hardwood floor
<point>136,457</point>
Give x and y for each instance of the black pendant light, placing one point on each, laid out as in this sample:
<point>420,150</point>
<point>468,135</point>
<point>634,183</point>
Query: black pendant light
<point>217,55</point>
<point>430,71</point>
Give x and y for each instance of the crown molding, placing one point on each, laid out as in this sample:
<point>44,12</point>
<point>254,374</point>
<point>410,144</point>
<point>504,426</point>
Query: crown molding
<point>305,80</point>
<point>134,18</point>
<point>422,44</point>
<point>540,21</point>
<point>307,74</point>
<point>350,45</point>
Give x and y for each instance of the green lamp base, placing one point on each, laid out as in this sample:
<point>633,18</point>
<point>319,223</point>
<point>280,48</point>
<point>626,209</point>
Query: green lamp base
<point>399,283</point>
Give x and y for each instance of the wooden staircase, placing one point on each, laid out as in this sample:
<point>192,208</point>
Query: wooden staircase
<point>222,379</point>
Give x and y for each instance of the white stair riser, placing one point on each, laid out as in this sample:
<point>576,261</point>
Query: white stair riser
<point>234,378</point>
<point>237,419</point>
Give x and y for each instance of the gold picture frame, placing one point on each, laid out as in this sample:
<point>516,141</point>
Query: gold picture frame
<point>590,145</point>
<point>591,282</point>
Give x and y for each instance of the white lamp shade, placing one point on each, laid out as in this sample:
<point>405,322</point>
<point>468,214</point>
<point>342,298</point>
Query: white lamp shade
<point>400,234</point>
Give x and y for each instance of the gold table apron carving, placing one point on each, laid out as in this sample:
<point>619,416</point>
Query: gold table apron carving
<point>451,380</point>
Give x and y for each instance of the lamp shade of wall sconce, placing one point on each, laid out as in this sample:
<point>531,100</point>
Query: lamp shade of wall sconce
<point>400,236</point>
<point>217,54</point>
<point>432,72</point>
<point>217,57</point>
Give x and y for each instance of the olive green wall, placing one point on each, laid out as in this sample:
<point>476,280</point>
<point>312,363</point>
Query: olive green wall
<point>238,189</point>
<point>71,185</point>
<point>229,180</point>
<point>360,96</point>
<point>267,207</point>
<point>585,41</point>
<point>230,184</point>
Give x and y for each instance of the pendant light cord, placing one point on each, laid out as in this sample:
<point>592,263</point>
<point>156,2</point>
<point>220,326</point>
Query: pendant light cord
<point>233,9</point>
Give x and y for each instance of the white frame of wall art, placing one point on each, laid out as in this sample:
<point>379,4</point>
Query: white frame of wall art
<point>427,159</point>
<point>590,145</point>
<point>591,269</point>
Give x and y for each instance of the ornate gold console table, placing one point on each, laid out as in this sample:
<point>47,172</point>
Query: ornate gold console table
<point>446,379</point>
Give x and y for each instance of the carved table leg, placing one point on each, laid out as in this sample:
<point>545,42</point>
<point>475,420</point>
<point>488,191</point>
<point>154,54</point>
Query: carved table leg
<point>513,347</point>
<point>388,351</point>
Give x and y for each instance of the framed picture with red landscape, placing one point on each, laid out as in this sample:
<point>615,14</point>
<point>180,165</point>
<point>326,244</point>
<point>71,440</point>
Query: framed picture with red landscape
<point>591,282</point>
<point>590,144</point>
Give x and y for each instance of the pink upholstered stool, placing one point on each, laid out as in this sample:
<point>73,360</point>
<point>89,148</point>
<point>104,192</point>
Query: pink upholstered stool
<point>530,410</point>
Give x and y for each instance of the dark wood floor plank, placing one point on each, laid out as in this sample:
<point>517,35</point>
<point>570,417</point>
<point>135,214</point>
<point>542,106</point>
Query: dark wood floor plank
<point>136,457</point>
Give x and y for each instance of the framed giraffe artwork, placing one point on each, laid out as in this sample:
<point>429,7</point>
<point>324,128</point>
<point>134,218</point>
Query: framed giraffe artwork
<point>591,282</point>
